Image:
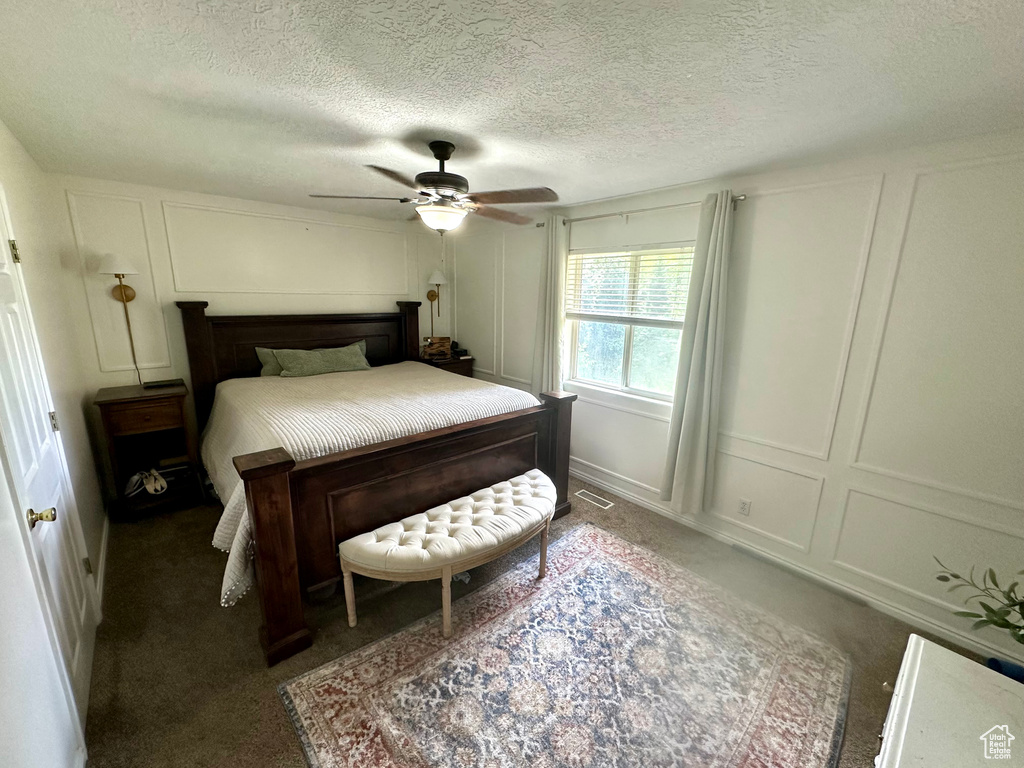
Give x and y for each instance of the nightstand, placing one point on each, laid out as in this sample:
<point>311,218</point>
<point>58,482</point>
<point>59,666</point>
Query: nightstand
<point>146,429</point>
<point>461,367</point>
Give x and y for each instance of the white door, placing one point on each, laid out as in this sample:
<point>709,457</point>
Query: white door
<point>39,723</point>
<point>36,478</point>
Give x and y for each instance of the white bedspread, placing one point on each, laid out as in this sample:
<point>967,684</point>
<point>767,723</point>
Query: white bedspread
<point>318,415</point>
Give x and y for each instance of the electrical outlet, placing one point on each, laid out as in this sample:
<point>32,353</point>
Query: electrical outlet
<point>745,507</point>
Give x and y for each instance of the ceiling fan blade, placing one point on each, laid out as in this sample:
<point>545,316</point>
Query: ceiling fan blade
<point>528,195</point>
<point>363,197</point>
<point>500,215</point>
<point>405,181</point>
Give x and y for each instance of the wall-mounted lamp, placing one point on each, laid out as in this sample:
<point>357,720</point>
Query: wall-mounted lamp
<point>119,267</point>
<point>438,279</point>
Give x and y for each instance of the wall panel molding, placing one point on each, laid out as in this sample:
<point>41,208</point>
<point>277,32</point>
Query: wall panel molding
<point>918,506</point>
<point>867,236</point>
<point>174,233</point>
<point>157,346</point>
<point>777,446</point>
<point>495,286</point>
<point>500,332</point>
<point>813,476</point>
<point>882,326</point>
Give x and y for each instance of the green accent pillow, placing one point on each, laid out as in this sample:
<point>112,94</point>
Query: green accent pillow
<point>301,362</point>
<point>270,365</point>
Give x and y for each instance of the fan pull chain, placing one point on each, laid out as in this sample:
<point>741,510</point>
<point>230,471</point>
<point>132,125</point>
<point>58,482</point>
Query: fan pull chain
<point>441,232</point>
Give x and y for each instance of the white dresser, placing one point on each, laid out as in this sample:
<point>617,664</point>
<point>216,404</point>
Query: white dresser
<point>950,712</point>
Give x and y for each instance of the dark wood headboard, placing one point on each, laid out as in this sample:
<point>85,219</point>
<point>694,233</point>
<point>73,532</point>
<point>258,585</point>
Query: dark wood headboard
<point>223,347</point>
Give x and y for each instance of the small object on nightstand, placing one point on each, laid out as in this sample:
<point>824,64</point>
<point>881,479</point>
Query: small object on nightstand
<point>163,383</point>
<point>146,430</point>
<point>463,366</point>
<point>437,348</point>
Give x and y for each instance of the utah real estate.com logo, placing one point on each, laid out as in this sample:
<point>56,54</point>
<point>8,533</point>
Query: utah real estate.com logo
<point>997,742</point>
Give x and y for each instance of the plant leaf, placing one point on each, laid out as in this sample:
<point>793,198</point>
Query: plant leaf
<point>942,577</point>
<point>980,624</point>
<point>967,615</point>
<point>992,578</point>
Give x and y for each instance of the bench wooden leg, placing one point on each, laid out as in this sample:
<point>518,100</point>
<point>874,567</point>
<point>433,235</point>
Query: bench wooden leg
<point>544,550</point>
<point>446,601</point>
<point>350,596</point>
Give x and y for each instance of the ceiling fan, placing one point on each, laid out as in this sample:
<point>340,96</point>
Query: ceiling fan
<point>443,199</point>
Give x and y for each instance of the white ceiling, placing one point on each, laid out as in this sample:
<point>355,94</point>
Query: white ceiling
<point>271,100</point>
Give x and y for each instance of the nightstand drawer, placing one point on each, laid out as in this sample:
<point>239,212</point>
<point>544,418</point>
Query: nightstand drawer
<point>130,419</point>
<point>461,367</point>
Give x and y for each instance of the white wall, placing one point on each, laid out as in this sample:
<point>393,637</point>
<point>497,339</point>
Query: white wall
<point>873,395</point>
<point>38,220</point>
<point>242,257</point>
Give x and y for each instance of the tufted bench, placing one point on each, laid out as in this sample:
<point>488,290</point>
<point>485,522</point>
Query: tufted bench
<point>452,538</point>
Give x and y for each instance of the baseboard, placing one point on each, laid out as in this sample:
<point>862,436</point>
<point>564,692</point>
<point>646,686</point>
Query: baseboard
<point>907,615</point>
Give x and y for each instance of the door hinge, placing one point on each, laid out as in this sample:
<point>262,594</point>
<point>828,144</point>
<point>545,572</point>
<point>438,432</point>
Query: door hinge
<point>14,251</point>
<point>53,421</point>
<point>87,564</point>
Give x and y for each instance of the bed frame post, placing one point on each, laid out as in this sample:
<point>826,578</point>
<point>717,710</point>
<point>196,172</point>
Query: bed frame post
<point>555,457</point>
<point>411,310</point>
<point>267,493</point>
<point>199,344</point>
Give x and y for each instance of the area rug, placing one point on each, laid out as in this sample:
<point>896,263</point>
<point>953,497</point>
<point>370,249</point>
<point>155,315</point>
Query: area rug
<point>616,658</point>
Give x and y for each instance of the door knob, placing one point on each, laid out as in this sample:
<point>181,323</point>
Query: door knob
<point>46,516</point>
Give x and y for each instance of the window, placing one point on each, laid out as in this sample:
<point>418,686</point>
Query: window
<point>625,312</point>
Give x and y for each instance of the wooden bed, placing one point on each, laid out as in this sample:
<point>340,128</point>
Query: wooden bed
<point>301,511</point>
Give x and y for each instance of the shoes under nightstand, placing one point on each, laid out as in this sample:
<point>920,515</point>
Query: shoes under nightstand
<point>146,429</point>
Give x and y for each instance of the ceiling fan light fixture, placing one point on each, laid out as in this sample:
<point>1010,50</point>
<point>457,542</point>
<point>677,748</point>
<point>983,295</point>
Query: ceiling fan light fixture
<point>442,217</point>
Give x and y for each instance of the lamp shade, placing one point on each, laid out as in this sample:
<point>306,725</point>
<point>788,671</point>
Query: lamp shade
<point>441,216</point>
<point>115,264</point>
<point>437,278</point>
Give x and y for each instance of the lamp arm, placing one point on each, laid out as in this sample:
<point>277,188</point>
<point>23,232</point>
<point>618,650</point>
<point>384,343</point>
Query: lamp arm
<point>128,322</point>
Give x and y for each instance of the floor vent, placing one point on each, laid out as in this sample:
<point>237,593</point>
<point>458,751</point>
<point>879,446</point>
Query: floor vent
<point>594,499</point>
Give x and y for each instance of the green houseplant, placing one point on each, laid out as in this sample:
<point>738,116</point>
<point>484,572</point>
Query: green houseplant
<point>1002,608</point>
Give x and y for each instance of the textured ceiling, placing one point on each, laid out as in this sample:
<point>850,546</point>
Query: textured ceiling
<point>271,100</point>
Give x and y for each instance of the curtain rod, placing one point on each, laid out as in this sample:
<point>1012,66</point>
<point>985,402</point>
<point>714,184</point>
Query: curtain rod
<point>735,199</point>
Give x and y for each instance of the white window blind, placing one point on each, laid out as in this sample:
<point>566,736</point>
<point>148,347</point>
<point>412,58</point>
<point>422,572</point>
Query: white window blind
<point>648,287</point>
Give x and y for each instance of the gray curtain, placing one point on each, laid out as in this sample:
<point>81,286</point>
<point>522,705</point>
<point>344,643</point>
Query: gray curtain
<point>693,429</point>
<point>547,355</point>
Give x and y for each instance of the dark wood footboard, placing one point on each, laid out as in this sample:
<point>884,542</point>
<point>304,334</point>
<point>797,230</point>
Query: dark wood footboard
<point>302,510</point>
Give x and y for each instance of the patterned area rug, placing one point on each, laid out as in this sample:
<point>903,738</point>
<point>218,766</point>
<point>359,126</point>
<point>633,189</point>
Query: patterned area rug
<point>617,658</point>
